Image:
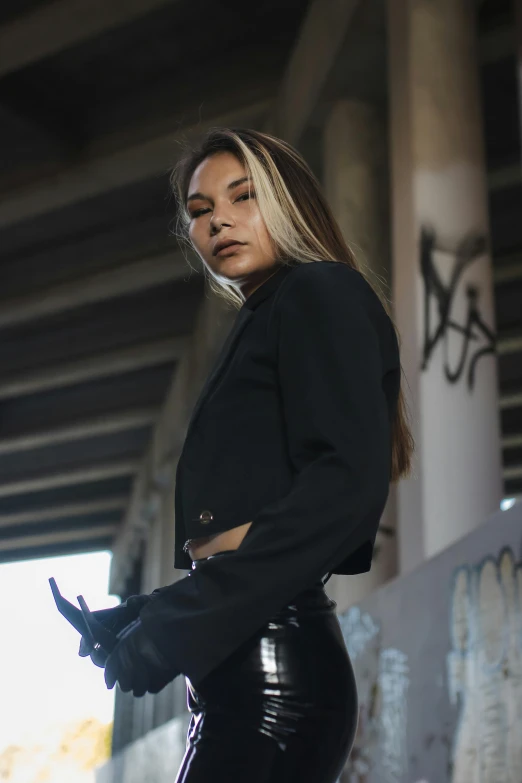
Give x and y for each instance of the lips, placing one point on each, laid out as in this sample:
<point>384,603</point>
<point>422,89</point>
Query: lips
<point>221,247</point>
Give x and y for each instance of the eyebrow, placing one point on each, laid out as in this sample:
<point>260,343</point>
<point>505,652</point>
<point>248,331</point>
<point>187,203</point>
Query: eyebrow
<point>230,186</point>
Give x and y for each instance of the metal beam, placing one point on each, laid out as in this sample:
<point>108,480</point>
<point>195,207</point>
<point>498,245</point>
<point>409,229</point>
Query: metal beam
<point>101,425</point>
<point>101,366</point>
<point>61,24</point>
<point>101,286</point>
<point>320,41</point>
<point>68,478</point>
<point>100,174</point>
<point>63,512</point>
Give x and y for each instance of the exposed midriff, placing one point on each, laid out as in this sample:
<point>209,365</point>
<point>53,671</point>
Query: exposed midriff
<point>210,545</point>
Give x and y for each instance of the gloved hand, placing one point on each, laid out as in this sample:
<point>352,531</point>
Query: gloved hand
<point>115,619</point>
<point>137,664</point>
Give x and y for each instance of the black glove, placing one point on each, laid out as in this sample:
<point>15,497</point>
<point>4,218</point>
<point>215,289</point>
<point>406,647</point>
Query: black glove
<point>137,664</point>
<point>115,619</point>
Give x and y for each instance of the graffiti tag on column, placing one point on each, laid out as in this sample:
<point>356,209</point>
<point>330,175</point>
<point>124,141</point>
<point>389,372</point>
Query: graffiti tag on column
<point>475,337</point>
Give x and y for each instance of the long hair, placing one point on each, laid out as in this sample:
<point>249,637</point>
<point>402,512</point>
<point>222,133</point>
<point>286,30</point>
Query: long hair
<point>299,222</point>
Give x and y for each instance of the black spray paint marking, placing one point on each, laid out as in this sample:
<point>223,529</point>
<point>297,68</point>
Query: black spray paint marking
<point>468,250</point>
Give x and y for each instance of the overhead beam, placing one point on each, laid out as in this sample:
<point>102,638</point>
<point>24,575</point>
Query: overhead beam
<point>512,441</point>
<point>61,537</point>
<point>507,268</point>
<point>63,511</point>
<point>101,366</point>
<point>100,425</point>
<point>319,43</point>
<point>496,44</point>
<point>100,286</point>
<point>18,121</point>
<point>58,25</point>
<point>104,173</point>
<point>510,401</point>
<point>70,477</point>
<point>51,264</point>
<point>509,344</point>
<point>518,26</point>
<point>504,177</point>
<point>513,472</point>
<point>38,111</point>
<point>81,546</point>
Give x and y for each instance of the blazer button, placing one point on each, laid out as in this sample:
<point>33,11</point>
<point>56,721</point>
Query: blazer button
<point>205,517</point>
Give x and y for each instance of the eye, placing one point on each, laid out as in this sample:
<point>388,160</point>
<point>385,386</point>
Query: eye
<point>198,212</point>
<point>245,196</point>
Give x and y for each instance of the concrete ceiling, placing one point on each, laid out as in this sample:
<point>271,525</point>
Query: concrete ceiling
<point>97,304</point>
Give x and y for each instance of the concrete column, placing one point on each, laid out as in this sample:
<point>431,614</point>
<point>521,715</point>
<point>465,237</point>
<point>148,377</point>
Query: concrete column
<point>172,700</point>
<point>355,181</point>
<point>122,727</point>
<point>144,708</point>
<point>441,275</point>
<point>158,570</point>
<point>355,172</point>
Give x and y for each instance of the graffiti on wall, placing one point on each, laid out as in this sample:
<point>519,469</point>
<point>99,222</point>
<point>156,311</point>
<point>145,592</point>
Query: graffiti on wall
<point>485,671</point>
<point>468,338</point>
<point>383,679</point>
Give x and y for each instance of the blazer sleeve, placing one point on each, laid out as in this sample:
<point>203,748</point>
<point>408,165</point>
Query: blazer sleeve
<point>329,334</point>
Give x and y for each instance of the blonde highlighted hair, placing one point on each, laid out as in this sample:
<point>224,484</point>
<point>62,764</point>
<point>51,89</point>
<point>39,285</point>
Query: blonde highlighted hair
<point>298,220</point>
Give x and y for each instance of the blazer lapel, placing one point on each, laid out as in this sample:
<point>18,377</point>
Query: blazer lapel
<point>242,319</point>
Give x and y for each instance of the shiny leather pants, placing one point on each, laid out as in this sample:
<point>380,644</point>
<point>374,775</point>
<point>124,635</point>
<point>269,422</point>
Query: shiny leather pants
<point>282,708</point>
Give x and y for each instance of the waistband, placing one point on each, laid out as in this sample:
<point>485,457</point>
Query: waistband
<point>319,584</point>
<point>209,557</point>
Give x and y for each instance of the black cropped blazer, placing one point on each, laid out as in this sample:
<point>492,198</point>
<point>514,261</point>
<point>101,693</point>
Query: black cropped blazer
<point>291,431</point>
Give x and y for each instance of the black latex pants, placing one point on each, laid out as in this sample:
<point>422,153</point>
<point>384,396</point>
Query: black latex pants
<point>282,708</point>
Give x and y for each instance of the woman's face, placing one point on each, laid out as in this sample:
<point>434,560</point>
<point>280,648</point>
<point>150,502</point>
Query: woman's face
<point>221,211</point>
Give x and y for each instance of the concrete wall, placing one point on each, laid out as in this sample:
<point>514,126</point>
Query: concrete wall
<point>438,660</point>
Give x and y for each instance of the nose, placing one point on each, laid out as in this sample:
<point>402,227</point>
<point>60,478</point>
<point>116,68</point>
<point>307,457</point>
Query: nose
<point>220,219</point>
<point>217,225</point>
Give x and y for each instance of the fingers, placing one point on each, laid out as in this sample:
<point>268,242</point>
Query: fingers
<point>97,654</point>
<point>156,684</point>
<point>111,669</point>
<point>129,678</point>
<point>86,648</point>
<point>136,665</point>
<point>99,657</point>
<point>137,682</point>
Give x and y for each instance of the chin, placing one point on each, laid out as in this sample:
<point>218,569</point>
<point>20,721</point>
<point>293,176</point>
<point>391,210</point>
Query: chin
<point>235,267</point>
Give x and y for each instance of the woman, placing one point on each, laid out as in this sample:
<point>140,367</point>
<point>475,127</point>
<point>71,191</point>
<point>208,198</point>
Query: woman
<point>299,430</point>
